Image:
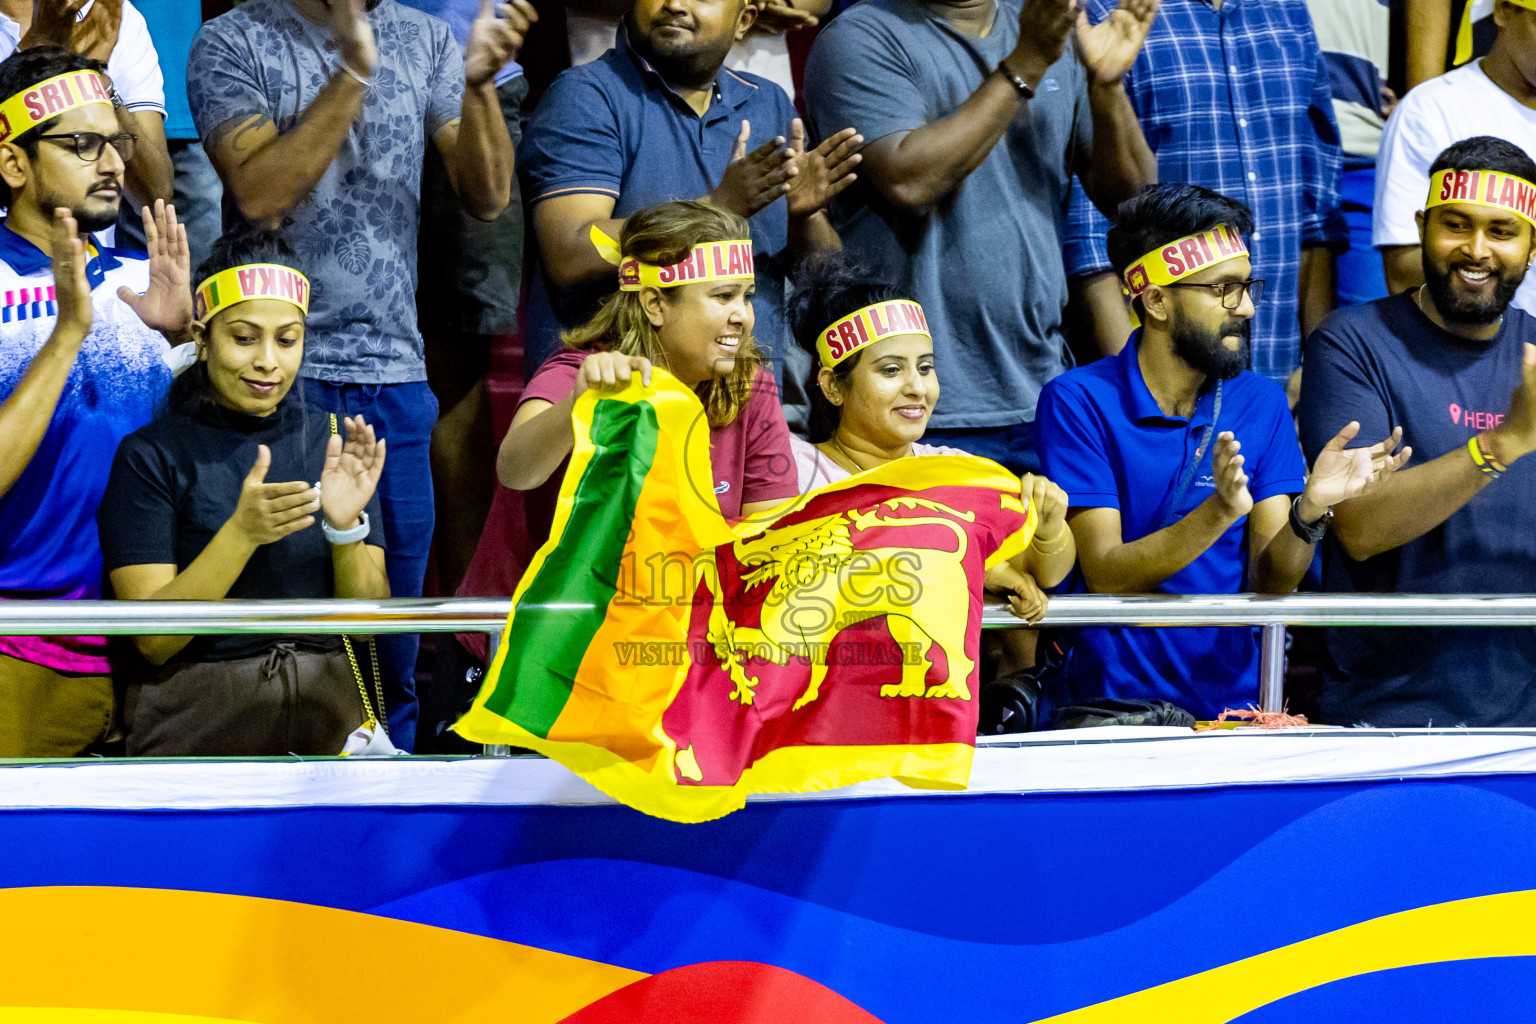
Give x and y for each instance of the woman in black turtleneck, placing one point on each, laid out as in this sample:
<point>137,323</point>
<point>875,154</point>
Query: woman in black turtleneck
<point>217,498</point>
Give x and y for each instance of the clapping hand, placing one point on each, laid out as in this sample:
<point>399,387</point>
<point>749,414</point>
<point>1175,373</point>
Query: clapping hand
<point>816,177</point>
<point>493,40</point>
<point>354,36</point>
<point>1109,48</point>
<point>166,305</point>
<point>1231,481</point>
<point>58,23</point>
<point>775,17</point>
<point>1340,474</point>
<point>1043,29</point>
<point>269,512</point>
<point>351,473</point>
<point>755,179</point>
<point>71,290</point>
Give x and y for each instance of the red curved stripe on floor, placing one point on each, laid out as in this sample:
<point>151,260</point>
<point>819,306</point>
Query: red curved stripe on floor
<point>723,992</point>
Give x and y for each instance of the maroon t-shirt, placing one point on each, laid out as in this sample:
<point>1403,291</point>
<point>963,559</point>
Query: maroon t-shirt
<point>752,461</point>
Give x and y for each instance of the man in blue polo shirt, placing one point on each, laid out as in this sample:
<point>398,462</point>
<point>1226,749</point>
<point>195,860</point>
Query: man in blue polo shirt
<point>1160,501</point>
<point>658,118</point>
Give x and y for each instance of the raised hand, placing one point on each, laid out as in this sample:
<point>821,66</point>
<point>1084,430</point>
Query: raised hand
<point>610,371</point>
<point>166,305</point>
<point>495,40</point>
<point>1109,48</point>
<point>1043,29</point>
<point>351,473</point>
<point>53,23</point>
<point>71,290</point>
<point>95,36</point>
<point>269,512</point>
<point>822,173</point>
<point>1025,598</point>
<point>1231,481</point>
<point>774,17</point>
<point>1340,474</point>
<point>1515,437</point>
<point>354,36</point>
<point>755,179</point>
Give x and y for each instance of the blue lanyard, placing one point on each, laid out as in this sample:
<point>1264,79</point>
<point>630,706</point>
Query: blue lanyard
<point>1172,515</point>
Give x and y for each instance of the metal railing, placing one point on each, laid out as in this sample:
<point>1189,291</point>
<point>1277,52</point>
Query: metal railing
<point>488,615</point>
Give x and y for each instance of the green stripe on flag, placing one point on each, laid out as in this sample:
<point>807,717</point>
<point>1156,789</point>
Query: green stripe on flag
<point>546,644</point>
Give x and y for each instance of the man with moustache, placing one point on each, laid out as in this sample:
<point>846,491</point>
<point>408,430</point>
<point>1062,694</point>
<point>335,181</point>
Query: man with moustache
<point>83,363</point>
<point>660,117</point>
<point>1440,361</point>
<point>1182,465</point>
<point>317,115</point>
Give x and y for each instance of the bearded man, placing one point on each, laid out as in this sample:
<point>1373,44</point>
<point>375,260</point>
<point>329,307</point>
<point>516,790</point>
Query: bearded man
<point>1181,465</point>
<point>1441,361</point>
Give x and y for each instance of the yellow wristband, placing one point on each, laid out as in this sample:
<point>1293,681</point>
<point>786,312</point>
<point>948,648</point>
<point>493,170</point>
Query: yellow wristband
<point>1487,463</point>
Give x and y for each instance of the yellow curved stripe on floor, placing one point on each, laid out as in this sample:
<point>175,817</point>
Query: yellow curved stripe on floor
<point>56,1015</point>
<point>1472,929</point>
<point>237,958</point>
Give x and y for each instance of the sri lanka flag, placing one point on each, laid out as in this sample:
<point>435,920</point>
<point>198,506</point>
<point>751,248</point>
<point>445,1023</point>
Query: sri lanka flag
<point>679,662</point>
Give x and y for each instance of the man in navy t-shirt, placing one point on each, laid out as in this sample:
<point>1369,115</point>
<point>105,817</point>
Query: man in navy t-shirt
<point>1182,466</point>
<point>1440,362</point>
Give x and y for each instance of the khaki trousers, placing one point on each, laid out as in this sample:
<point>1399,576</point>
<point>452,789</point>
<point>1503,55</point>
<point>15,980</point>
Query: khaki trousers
<point>47,713</point>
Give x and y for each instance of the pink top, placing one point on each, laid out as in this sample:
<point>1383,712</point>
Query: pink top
<point>752,460</point>
<point>816,470</point>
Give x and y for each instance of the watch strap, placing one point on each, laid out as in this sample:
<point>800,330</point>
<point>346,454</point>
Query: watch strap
<point>1309,532</point>
<point>351,536</point>
<point>1025,90</point>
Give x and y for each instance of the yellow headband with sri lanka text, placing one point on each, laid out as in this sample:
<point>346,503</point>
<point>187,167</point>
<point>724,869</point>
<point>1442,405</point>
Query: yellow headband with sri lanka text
<point>1178,259</point>
<point>1483,188</point>
<point>48,99</point>
<point>712,261</point>
<point>864,327</point>
<point>251,281</point>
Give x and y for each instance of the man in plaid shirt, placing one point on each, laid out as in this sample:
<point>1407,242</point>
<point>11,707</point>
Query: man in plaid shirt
<point>1234,95</point>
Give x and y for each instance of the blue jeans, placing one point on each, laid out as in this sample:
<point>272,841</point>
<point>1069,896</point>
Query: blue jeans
<point>402,414</point>
<point>1013,446</point>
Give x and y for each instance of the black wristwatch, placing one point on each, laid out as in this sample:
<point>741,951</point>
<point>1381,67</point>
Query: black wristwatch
<point>1309,532</point>
<point>1026,90</point>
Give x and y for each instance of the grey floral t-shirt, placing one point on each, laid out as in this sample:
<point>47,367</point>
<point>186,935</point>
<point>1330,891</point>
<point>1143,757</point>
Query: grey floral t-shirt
<point>356,233</point>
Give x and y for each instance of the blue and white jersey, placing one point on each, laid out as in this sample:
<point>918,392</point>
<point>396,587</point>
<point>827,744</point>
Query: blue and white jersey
<point>48,543</point>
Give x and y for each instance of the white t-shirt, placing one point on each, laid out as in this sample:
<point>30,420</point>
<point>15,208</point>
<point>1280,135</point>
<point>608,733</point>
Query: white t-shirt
<point>134,66</point>
<point>1458,105</point>
<point>816,470</point>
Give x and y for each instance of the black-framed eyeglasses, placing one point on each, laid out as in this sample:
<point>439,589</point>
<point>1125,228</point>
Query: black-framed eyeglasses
<point>1231,291</point>
<point>88,145</point>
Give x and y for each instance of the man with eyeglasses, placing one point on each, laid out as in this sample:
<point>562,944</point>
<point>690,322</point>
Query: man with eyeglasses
<point>83,363</point>
<point>1441,361</point>
<point>1182,465</point>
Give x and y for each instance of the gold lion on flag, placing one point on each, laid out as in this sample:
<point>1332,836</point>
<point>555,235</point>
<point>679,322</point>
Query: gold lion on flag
<point>835,644</point>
